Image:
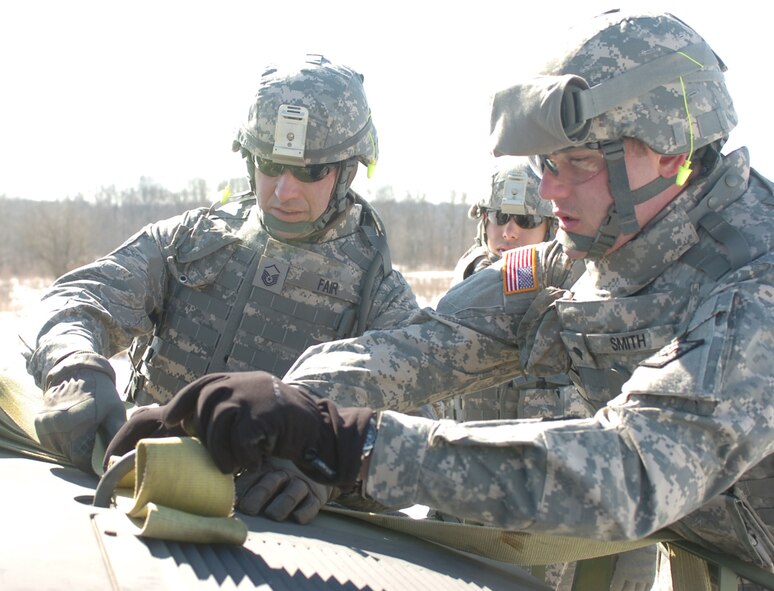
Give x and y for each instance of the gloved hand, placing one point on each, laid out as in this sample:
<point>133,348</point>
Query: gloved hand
<point>243,417</point>
<point>278,490</point>
<point>81,403</point>
<point>144,422</point>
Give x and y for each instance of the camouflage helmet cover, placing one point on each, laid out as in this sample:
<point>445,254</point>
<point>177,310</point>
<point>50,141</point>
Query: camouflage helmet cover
<point>339,119</point>
<point>644,76</point>
<point>514,190</point>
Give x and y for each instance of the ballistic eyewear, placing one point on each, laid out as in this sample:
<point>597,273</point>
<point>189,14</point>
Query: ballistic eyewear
<point>306,174</point>
<point>525,222</point>
<point>574,166</point>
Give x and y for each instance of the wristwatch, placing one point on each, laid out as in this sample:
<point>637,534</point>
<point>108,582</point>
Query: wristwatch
<point>370,439</point>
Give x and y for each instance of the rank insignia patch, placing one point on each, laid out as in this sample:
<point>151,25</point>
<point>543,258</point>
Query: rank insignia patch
<point>271,274</point>
<point>520,270</point>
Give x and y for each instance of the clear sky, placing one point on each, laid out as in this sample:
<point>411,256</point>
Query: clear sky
<point>102,92</point>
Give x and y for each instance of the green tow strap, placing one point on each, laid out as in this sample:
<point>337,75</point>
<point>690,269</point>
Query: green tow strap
<point>522,548</point>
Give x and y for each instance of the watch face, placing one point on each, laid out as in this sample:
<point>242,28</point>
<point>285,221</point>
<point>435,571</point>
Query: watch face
<point>370,438</point>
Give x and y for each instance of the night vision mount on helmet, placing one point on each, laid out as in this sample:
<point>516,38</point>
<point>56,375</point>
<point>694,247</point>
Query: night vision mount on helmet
<point>313,112</point>
<point>514,190</point>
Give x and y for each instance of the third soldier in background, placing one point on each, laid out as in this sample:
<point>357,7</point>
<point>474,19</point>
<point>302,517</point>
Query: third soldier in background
<point>513,215</point>
<point>668,331</point>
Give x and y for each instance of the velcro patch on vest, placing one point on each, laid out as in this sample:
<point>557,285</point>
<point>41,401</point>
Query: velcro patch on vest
<point>271,274</point>
<point>673,351</point>
<point>520,270</point>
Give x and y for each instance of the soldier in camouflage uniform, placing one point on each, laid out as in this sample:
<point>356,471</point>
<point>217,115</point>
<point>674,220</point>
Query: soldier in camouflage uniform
<point>298,261</point>
<point>515,200</point>
<point>668,330</point>
<point>512,215</point>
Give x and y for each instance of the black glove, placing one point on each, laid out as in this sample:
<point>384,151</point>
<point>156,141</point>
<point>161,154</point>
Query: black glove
<point>81,403</point>
<point>243,417</point>
<point>144,422</point>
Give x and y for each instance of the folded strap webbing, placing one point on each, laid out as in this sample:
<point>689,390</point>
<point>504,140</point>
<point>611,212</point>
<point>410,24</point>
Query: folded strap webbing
<point>179,494</point>
<point>192,504</point>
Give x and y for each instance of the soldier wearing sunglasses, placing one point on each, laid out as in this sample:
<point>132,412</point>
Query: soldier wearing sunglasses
<point>511,216</point>
<point>667,331</point>
<point>299,260</point>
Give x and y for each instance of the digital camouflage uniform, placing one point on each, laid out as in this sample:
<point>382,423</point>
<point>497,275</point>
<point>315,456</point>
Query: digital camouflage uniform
<point>215,301</point>
<point>215,289</point>
<point>514,190</point>
<point>525,396</point>
<point>690,414</point>
<point>669,336</point>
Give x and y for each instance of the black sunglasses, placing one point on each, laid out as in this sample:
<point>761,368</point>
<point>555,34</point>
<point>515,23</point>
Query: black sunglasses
<point>525,222</point>
<point>305,174</point>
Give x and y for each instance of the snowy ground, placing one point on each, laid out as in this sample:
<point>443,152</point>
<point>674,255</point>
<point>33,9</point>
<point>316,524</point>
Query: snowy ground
<point>428,286</point>
<point>16,300</point>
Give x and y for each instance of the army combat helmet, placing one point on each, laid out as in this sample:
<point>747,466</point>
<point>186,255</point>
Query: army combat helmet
<point>514,191</point>
<point>643,76</point>
<point>310,113</point>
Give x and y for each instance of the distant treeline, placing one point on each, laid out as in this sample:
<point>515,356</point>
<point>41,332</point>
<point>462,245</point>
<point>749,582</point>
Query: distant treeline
<point>48,238</point>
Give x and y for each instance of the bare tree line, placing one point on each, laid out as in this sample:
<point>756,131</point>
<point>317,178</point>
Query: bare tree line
<point>48,238</point>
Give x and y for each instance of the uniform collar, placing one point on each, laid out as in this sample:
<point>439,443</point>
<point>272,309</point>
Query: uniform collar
<point>342,225</point>
<point>659,244</point>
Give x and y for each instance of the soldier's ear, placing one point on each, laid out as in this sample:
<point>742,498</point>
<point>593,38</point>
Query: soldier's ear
<point>669,166</point>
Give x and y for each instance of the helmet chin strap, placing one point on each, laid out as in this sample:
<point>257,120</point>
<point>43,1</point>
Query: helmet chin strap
<point>345,174</point>
<point>620,218</point>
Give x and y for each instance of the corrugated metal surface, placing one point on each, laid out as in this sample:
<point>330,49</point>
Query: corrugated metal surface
<point>333,552</point>
<point>51,541</point>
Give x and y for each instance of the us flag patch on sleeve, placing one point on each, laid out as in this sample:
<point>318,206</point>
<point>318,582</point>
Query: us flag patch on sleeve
<point>520,270</point>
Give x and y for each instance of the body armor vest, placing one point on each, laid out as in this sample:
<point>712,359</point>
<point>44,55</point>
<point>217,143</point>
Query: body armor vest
<point>475,259</point>
<point>607,339</point>
<point>259,312</point>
